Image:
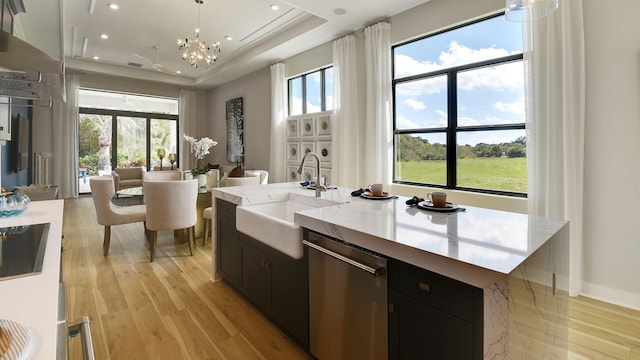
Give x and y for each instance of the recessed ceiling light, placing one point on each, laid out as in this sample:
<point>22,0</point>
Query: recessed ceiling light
<point>274,7</point>
<point>96,58</point>
<point>114,6</point>
<point>104,36</point>
<point>228,37</point>
<point>339,11</point>
<point>178,72</point>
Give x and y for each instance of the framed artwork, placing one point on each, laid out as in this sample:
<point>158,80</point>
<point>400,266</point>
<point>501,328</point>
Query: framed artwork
<point>323,124</point>
<point>324,151</point>
<point>307,127</point>
<point>292,173</point>
<point>293,151</point>
<point>292,128</point>
<point>235,130</point>
<point>308,147</point>
<point>308,173</point>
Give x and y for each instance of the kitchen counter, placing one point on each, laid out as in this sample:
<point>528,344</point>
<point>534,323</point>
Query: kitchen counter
<point>33,300</point>
<point>519,261</point>
<point>489,243</point>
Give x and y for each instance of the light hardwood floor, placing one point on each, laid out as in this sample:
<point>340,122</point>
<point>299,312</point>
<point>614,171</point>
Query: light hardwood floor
<point>170,309</point>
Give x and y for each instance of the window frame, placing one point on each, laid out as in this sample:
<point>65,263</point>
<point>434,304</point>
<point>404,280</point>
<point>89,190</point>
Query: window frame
<point>452,129</point>
<point>127,113</point>
<point>303,78</point>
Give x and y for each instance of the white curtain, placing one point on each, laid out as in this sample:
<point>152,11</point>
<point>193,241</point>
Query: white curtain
<point>555,70</point>
<point>346,129</point>
<point>277,165</point>
<point>378,132</point>
<point>187,114</point>
<point>65,141</point>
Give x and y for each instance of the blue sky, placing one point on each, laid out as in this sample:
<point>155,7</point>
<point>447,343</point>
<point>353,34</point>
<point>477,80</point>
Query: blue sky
<point>492,95</point>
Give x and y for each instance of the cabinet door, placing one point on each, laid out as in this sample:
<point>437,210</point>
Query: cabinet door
<point>254,273</point>
<point>227,241</point>
<point>420,331</point>
<point>290,295</point>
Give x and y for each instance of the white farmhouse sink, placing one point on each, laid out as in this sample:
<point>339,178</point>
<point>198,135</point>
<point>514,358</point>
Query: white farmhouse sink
<point>272,223</point>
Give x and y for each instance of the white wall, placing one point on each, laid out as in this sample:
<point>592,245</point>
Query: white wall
<point>255,89</point>
<point>612,147</point>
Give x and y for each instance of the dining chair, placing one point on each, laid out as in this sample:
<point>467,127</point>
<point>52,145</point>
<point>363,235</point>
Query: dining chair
<point>171,205</point>
<point>164,175</point>
<point>263,174</point>
<point>242,181</point>
<point>107,213</point>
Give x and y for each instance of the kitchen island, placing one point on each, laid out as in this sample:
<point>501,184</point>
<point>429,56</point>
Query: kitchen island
<point>519,262</point>
<point>33,300</point>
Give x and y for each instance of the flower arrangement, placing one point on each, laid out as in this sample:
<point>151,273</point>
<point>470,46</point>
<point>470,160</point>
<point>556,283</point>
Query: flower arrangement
<point>200,148</point>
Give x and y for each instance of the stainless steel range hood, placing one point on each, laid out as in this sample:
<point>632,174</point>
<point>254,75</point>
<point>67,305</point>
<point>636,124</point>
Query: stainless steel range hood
<point>27,72</point>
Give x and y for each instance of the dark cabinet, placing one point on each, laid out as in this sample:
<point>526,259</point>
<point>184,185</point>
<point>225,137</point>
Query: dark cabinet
<point>277,284</point>
<point>432,316</point>
<point>227,252</point>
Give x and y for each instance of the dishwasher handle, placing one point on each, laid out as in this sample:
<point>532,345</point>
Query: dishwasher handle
<point>373,271</point>
<point>83,327</point>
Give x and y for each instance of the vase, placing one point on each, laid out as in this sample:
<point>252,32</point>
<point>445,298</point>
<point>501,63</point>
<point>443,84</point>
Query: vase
<point>202,180</point>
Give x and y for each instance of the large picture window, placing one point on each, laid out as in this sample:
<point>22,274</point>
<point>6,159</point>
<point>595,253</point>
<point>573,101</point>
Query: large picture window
<point>311,93</point>
<point>459,120</point>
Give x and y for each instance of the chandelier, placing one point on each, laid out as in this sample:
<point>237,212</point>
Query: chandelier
<point>195,50</point>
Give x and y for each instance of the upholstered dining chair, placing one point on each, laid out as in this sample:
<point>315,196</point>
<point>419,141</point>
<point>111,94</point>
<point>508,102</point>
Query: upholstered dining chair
<point>242,181</point>
<point>108,214</point>
<point>165,175</point>
<point>263,174</point>
<point>171,205</point>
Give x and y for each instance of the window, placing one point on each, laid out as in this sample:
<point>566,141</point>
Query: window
<point>125,130</point>
<point>459,120</point>
<point>311,93</point>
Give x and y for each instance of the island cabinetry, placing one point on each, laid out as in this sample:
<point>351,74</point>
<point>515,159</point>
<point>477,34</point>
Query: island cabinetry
<point>432,316</point>
<point>277,284</point>
<point>227,252</point>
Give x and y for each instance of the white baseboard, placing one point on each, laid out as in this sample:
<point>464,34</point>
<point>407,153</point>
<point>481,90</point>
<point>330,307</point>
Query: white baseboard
<point>613,296</point>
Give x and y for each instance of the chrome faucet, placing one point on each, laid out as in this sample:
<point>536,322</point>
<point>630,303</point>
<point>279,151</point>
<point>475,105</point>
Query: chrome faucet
<point>318,185</point>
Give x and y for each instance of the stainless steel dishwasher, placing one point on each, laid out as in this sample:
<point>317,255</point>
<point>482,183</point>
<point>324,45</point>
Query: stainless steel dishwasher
<point>347,300</point>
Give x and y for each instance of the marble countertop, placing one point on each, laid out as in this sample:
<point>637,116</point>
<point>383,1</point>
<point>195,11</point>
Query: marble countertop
<point>33,300</point>
<point>475,246</point>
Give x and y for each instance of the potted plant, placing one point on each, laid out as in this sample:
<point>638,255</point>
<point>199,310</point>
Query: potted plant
<point>200,148</point>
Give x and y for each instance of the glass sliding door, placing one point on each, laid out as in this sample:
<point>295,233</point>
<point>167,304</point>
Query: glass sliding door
<point>94,147</point>
<point>163,137</point>
<point>131,150</point>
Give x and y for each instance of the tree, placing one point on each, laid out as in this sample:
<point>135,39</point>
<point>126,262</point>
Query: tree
<point>516,151</point>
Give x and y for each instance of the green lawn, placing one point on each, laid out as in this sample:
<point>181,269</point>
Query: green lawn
<point>508,174</point>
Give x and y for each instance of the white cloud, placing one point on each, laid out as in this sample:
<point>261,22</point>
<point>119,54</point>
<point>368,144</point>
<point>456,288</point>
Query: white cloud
<point>467,121</point>
<point>516,107</point>
<point>404,123</point>
<point>415,104</point>
<point>498,77</point>
<point>312,108</point>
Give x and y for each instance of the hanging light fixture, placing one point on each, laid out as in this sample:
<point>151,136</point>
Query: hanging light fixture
<point>527,10</point>
<point>195,51</point>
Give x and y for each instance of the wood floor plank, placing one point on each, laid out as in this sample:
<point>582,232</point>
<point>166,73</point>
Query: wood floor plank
<point>124,340</point>
<point>159,342</point>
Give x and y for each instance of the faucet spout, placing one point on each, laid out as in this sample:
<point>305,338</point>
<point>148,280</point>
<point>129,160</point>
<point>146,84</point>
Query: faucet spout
<point>318,185</point>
